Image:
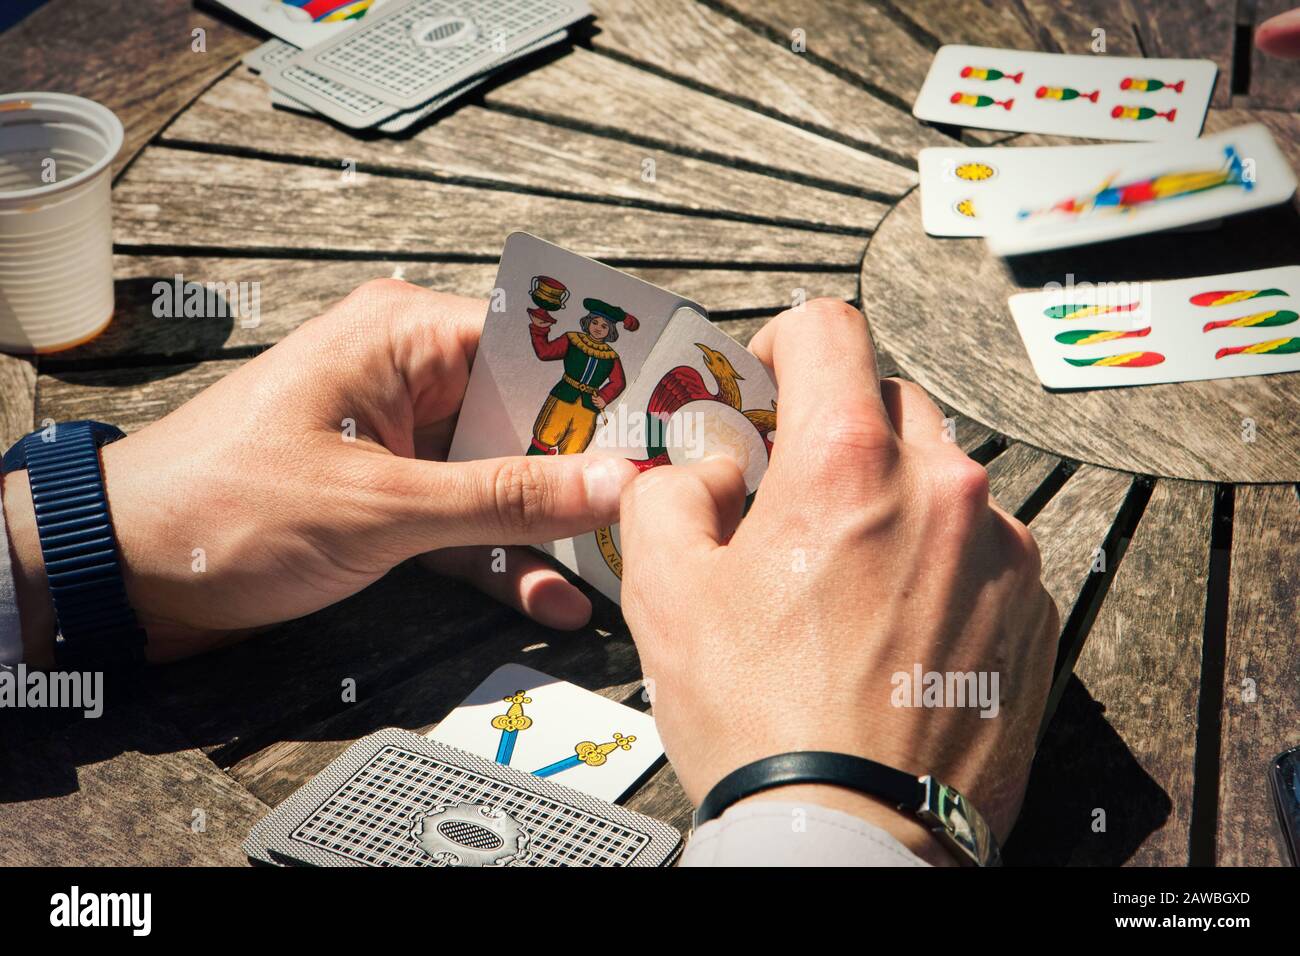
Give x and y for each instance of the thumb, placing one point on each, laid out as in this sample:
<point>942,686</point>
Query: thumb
<point>673,514</point>
<point>519,500</point>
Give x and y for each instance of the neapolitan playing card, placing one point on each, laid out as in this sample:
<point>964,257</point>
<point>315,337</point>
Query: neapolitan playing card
<point>1099,97</point>
<point>1223,326</point>
<point>553,729</point>
<point>700,392</point>
<point>415,50</point>
<point>398,799</point>
<point>1152,188</point>
<point>304,23</point>
<point>563,338</point>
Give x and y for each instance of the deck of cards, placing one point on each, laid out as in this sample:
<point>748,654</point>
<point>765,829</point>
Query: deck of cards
<point>579,357</point>
<point>523,773</point>
<point>387,64</point>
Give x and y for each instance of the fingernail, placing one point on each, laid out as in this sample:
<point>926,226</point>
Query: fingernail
<point>604,479</point>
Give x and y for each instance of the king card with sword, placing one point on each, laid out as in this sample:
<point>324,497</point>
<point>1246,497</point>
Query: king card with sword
<point>592,374</point>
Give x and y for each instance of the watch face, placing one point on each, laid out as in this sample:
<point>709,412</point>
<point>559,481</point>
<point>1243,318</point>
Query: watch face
<point>959,822</point>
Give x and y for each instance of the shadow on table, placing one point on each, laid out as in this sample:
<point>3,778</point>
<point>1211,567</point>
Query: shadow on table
<point>1083,767</point>
<point>155,334</point>
<point>1257,240</point>
<point>402,653</point>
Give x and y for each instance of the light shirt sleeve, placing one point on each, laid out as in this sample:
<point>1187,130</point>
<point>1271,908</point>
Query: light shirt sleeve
<point>11,636</point>
<point>766,833</point>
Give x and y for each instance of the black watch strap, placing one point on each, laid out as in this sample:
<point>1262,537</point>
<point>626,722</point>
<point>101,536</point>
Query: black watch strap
<point>940,808</point>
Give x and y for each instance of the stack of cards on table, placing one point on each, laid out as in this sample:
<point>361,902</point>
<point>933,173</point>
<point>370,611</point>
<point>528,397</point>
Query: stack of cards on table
<point>521,774</point>
<point>576,356</point>
<point>386,64</point>
<point>1141,333</point>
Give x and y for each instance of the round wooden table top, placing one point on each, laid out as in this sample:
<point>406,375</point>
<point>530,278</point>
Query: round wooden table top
<point>745,154</point>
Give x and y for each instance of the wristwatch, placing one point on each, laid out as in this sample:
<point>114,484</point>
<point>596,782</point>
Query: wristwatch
<point>939,808</point>
<point>97,628</point>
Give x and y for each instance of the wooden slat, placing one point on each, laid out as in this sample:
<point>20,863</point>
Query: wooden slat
<point>972,22</point>
<point>293,290</point>
<point>948,329</point>
<point>17,398</point>
<point>250,204</point>
<point>133,56</point>
<point>1016,474</point>
<point>1192,29</point>
<point>490,146</point>
<point>695,42</point>
<point>1261,681</point>
<point>1142,663</point>
<point>1072,526</point>
<point>1274,82</point>
<point>588,91</point>
<point>119,790</point>
<point>663,798</point>
<point>607,665</point>
<point>130,398</point>
<point>1068,27</point>
<point>862,39</point>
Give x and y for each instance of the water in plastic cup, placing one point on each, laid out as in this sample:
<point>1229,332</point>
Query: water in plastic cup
<point>56,229</point>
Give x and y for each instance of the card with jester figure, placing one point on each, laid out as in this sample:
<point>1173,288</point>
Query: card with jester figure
<point>553,729</point>
<point>701,392</point>
<point>563,339</point>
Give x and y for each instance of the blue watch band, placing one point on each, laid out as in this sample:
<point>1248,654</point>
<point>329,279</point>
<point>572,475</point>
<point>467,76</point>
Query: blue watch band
<point>98,629</point>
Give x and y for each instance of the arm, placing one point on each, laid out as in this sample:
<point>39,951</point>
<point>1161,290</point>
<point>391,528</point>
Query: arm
<point>547,350</point>
<point>614,387</point>
<point>320,512</point>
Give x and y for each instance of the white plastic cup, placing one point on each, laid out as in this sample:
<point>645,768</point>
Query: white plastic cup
<point>56,224</point>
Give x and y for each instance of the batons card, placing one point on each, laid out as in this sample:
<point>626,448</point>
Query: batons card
<point>397,799</point>
<point>1150,189</point>
<point>1224,326</point>
<point>1099,97</point>
<point>556,730</point>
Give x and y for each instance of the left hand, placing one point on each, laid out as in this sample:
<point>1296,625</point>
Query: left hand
<point>295,509</point>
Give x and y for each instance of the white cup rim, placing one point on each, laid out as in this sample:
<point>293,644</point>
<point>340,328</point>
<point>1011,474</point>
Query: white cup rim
<point>56,107</point>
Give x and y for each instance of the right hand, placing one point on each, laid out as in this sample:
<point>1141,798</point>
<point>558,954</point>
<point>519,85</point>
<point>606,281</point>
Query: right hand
<point>872,546</point>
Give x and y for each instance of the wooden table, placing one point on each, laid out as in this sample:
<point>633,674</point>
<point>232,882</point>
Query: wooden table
<point>775,173</point>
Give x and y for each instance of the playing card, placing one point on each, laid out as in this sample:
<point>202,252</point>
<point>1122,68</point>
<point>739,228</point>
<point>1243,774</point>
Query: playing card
<point>1100,97</point>
<point>564,336</point>
<point>419,49</point>
<point>553,729</point>
<point>700,392</point>
<point>964,190</point>
<point>397,799</point>
<point>1152,188</point>
<point>296,88</point>
<point>1140,333</point>
<point>303,23</point>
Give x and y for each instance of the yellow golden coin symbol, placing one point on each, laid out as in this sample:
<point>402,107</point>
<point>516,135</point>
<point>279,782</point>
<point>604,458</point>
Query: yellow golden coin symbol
<point>965,207</point>
<point>975,172</point>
